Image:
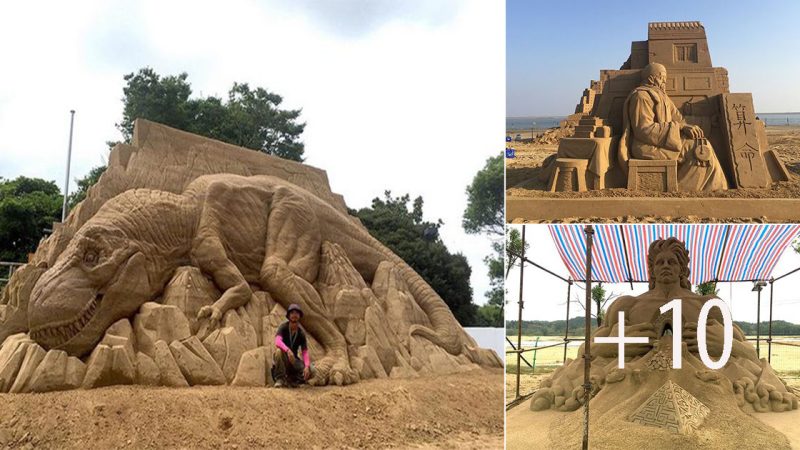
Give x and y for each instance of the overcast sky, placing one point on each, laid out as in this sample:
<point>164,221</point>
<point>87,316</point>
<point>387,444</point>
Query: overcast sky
<point>554,51</point>
<point>545,296</point>
<point>406,96</point>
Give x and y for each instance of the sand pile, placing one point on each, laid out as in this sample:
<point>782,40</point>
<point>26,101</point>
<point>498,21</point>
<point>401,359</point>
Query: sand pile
<point>450,411</point>
<point>553,135</point>
<point>650,405</point>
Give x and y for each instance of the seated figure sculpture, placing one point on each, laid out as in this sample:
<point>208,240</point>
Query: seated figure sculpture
<point>751,380</point>
<point>654,129</point>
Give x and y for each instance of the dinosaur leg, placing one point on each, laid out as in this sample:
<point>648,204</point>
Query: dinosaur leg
<point>208,253</point>
<point>293,249</point>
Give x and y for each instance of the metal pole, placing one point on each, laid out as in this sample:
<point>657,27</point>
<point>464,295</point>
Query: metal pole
<point>515,348</point>
<point>69,159</point>
<point>520,303</point>
<point>539,267</point>
<point>627,260</point>
<point>786,274</point>
<point>758,325</point>
<point>769,340</point>
<point>587,358</point>
<point>566,331</point>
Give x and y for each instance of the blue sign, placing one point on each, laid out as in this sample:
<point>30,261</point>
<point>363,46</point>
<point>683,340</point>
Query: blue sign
<point>508,138</point>
<point>510,153</point>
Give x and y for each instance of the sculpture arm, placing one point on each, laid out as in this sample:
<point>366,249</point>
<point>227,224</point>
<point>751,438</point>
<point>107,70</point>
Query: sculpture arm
<point>689,131</point>
<point>675,113</point>
<point>645,128</point>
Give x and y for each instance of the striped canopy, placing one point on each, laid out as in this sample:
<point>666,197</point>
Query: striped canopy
<point>721,252</point>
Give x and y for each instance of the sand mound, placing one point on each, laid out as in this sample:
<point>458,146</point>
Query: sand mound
<point>454,411</point>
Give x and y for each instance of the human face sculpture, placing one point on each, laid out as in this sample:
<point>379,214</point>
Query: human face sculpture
<point>667,268</point>
<point>656,75</point>
<point>661,79</point>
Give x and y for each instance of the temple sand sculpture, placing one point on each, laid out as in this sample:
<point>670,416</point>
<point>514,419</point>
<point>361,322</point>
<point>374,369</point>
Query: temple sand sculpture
<point>665,121</point>
<point>178,267</point>
<point>648,391</point>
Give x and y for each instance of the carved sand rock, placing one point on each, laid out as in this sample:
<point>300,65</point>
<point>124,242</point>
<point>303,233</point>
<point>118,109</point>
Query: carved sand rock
<point>177,268</point>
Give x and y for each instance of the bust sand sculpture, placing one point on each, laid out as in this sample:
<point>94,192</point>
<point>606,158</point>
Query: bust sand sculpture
<point>665,121</point>
<point>648,377</point>
<point>178,267</point>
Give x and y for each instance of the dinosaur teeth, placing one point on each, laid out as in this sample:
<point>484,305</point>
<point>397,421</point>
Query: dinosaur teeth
<point>58,334</point>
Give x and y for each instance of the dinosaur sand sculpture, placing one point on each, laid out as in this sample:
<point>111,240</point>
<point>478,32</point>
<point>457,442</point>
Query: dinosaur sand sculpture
<point>182,279</point>
<point>648,390</point>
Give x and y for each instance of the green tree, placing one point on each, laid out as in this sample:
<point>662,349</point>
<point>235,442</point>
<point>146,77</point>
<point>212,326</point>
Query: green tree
<point>514,248</point>
<point>160,99</point>
<point>491,314</point>
<point>484,215</point>
<point>707,288</point>
<point>84,184</point>
<point>600,299</point>
<point>417,242</point>
<point>28,206</point>
<point>250,118</point>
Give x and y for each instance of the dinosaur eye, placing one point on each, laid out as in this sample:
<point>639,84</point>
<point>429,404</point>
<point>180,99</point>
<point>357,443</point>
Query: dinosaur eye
<point>90,258</point>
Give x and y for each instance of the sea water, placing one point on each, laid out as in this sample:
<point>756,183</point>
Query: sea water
<point>533,123</point>
<point>776,119</point>
<point>544,122</point>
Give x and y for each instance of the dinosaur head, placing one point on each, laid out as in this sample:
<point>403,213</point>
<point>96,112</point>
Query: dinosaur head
<point>100,277</point>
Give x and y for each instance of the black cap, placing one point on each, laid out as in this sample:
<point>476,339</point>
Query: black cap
<point>294,307</point>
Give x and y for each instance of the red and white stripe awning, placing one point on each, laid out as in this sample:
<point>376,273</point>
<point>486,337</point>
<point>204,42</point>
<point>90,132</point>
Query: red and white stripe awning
<point>721,252</point>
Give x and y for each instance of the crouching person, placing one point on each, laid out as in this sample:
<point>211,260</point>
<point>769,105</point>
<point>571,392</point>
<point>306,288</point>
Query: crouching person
<point>289,367</point>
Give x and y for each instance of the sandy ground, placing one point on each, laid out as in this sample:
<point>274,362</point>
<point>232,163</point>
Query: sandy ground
<point>527,429</point>
<point>454,411</point>
<point>523,174</point>
<point>528,384</point>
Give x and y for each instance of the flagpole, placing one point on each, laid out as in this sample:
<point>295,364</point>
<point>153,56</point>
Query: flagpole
<point>69,159</point>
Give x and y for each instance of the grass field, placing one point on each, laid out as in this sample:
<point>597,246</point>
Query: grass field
<point>785,360</point>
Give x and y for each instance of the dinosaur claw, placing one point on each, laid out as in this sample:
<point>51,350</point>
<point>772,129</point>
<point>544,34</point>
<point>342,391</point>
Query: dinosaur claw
<point>212,312</point>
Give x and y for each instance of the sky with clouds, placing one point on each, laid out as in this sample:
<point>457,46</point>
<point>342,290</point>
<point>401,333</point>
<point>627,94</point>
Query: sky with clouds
<point>402,96</point>
<point>554,51</point>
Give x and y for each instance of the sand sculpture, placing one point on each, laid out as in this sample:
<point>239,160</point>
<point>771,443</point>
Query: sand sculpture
<point>665,121</point>
<point>648,390</point>
<point>177,268</point>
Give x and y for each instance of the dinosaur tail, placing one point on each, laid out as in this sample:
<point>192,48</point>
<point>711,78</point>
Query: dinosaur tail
<point>445,331</point>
